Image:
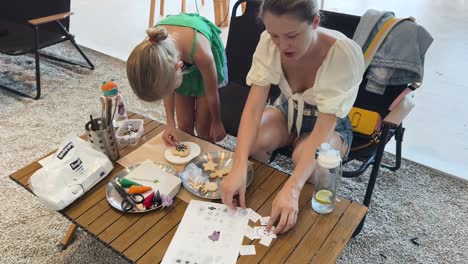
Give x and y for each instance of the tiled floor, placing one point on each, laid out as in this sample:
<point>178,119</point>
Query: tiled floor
<point>437,129</point>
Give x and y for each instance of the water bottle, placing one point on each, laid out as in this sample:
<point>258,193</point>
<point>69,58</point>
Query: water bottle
<point>113,105</point>
<point>328,174</point>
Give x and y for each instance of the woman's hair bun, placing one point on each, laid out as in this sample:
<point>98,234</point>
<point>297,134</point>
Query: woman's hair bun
<point>157,33</point>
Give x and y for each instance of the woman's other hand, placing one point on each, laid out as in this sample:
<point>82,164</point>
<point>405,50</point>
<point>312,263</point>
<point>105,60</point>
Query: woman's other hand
<point>284,209</point>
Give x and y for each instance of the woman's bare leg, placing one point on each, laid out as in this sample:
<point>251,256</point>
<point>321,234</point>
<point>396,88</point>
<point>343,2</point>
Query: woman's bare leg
<point>335,141</point>
<point>272,134</point>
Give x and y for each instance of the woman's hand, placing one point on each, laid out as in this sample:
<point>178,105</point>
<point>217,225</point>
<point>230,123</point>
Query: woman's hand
<point>217,132</point>
<point>235,183</point>
<point>169,136</point>
<point>284,209</point>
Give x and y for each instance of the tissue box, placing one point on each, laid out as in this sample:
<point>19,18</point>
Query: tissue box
<point>149,174</point>
<point>129,132</point>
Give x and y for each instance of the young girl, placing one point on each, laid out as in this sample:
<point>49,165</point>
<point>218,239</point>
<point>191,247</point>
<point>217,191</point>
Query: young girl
<point>182,62</point>
<point>318,71</point>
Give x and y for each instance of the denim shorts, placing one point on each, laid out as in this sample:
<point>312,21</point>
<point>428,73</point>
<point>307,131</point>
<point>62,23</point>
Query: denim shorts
<point>343,125</point>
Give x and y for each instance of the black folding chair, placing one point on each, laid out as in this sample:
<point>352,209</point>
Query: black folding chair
<point>27,26</point>
<point>244,34</point>
<point>243,37</point>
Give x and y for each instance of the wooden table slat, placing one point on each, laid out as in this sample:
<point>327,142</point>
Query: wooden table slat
<point>313,239</point>
<point>118,227</point>
<point>104,221</point>
<point>111,233</point>
<point>156,233</point>
<point>265,210</point>
<point>264,191</point>
<point>93,213</point>
<point>134,232</point>
<point>340,235</point>
<point>261,173</point>
<point>156,253</point>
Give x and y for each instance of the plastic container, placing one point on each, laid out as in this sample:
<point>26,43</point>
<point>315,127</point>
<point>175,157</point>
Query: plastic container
<point>129,132</point>
<point>114,107</point>
<point>328,178</point>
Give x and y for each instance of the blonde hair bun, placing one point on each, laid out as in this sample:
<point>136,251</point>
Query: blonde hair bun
<point>157,33</point>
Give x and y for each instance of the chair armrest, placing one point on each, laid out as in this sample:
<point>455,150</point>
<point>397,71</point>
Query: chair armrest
<point>47,19</point>
<point>396,116</point>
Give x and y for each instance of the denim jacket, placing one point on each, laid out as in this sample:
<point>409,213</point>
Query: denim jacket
<point>400,58</point>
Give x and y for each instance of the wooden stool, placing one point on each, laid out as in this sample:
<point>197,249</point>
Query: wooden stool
<point>221,12</point>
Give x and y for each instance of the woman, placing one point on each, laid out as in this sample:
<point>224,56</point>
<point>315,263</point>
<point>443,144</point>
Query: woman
<point>319,72</point>
<point>182,62</point>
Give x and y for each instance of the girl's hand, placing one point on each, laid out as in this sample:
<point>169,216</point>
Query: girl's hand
<point>234,184</point>
<point>169,136</point>
<point>284,209</point>
<point>217,132</point>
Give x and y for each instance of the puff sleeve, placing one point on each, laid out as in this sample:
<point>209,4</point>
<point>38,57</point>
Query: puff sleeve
<point>338,79</point>
<point>266,63</point>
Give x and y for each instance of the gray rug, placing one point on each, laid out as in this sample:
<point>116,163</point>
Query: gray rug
<point>413,203</point>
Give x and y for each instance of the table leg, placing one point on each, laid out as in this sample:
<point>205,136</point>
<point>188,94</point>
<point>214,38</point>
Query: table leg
<point>183,6</point>
<point>224,13</point>
<point>161,8</point>
<point>151,18</point>
<point>217,7</point>
<point>69,235</point>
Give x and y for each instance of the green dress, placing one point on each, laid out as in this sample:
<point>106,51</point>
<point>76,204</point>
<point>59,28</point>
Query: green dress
<point>192,84</point>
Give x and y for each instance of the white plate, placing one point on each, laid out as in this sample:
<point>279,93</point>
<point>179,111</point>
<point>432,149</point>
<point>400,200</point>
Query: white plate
<point>194,151</point>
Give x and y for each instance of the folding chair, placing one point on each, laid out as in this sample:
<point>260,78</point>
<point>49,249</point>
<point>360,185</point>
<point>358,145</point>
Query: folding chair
<point>244,34</point>
<point>392,106</point>
<point>27,26</point>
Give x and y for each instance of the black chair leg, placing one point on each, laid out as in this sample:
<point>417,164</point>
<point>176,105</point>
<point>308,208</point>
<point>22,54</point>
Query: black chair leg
<point>38,66</point>
<point>72,40</point>
<point>358,229</point>
<point>38,71</point>
<point>374,174</point>
<point>399,131</point>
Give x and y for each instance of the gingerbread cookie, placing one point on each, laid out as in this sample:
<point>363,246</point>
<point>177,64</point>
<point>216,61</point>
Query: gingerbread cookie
<point>209,187</point>
<point>226,170</point>
<point>216,174</point>
<point>220,173</point>
<point>181,150</point>
<point>209,166</point>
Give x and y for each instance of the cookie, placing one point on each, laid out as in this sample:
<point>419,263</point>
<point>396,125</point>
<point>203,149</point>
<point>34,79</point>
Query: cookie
<point>225,171</point>
<point>209,187</point>
<point>181,150</point>
<point>216,174</point>
<point>209,166</point>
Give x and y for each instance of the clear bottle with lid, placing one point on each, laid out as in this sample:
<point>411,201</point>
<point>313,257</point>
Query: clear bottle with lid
<point>328,174</point>
<point>113,105</point>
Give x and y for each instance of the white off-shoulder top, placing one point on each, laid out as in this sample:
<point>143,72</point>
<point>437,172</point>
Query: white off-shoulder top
<point>336,82</point>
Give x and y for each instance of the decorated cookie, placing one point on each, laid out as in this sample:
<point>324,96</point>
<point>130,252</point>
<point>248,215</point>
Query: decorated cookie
<point>209,187</point>
<point>181,150</point>
<point>209,166</point>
